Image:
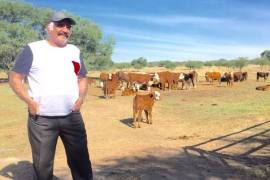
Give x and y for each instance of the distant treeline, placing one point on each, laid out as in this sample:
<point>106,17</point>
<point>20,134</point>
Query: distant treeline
<point>238,63</point>
<point>21,23</point>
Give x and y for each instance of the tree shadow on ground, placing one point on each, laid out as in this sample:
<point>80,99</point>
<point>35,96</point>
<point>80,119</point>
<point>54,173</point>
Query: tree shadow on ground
<point>22,170</point>
<point>194,162</point>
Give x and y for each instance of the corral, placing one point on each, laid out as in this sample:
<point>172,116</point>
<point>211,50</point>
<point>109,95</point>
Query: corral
<point>211,132</point>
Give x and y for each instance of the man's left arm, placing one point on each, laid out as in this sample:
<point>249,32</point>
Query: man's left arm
<point>83,87</point>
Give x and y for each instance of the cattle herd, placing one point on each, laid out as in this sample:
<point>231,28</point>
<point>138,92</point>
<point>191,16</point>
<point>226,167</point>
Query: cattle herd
<point>146,86</point>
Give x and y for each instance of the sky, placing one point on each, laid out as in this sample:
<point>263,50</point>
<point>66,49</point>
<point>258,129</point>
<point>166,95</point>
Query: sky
<point>176,30</point>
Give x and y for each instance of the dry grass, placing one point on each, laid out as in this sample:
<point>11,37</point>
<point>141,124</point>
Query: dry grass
<point>3,74</point>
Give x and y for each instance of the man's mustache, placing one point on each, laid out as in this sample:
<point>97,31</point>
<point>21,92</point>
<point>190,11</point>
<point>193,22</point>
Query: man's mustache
<point>63,34</point>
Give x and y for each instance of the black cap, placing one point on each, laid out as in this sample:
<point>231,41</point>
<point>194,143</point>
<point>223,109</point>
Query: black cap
<point>59,16</point>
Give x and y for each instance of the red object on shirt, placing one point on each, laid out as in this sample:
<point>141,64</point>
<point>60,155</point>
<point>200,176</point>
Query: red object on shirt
<point>76,66</point>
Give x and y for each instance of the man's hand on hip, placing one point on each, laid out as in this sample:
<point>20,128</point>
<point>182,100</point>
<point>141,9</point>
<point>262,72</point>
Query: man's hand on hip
<point>77,105</point>
<point>33,108</point>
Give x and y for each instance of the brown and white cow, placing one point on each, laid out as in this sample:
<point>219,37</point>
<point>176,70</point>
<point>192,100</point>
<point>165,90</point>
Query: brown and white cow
<point>144,103</point>
<point>228,78</point>
<point>163,78</point>
<point>189,79</point>
<point>139,78</point>
<point>240,76</point>
<point>134,77</point>
<point>123,77</point>
<point>105,76</point>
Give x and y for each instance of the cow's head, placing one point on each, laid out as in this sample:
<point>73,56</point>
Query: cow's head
<point>156,78</point>
<point>181,76</point>
<point>157,95</point>
<point>101,84</point>
<point>123,88</point>
<point>110,76</point>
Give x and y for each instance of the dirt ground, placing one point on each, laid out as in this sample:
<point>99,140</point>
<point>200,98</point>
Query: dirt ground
<point>182,143</point>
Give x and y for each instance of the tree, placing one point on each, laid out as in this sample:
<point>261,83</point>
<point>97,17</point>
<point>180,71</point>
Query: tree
<point>13,37</point>
<point>240,62</point>
<point>6,56</point>
<point>266,54</point>
<point>139,63</point>
<point>21,23</point>
<point>221,62</point>
<point>103,56</point>
<point>263,61</point>
<point>153,64</point>
<point>209,63</point>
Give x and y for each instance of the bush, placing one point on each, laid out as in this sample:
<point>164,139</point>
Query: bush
<point>194,64</point>
<point>123,65</point>
<point>139,63</point>
<point>170,65</point>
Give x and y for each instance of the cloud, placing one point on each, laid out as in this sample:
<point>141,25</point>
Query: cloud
<point>238,34</point>
<point>181,53</point>
<point>231,24</point>
<point>151,36</point>
<point>158,46</point>
<point>165,19</point>
<point>131,44</point>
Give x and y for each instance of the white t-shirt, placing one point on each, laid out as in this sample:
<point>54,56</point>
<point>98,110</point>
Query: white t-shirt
<point>52,74</point>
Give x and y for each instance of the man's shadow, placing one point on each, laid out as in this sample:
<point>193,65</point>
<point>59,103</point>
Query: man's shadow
<point>22,170</point>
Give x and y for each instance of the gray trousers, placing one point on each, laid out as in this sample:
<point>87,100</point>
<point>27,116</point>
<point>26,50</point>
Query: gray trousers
<point>43,133</point>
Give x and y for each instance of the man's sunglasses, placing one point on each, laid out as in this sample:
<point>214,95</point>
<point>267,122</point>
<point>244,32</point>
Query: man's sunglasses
<point>63,24</point>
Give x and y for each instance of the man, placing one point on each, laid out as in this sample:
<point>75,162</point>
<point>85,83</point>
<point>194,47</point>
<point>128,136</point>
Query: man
<point>57,88</point>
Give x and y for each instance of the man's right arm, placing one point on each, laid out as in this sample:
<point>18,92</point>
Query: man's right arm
<point>21,68</point>
<point>17,85</point>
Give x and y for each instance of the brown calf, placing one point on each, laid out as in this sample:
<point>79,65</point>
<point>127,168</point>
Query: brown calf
<point>110,86</point>
<point>263,88</point>
<point>144,103</point>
